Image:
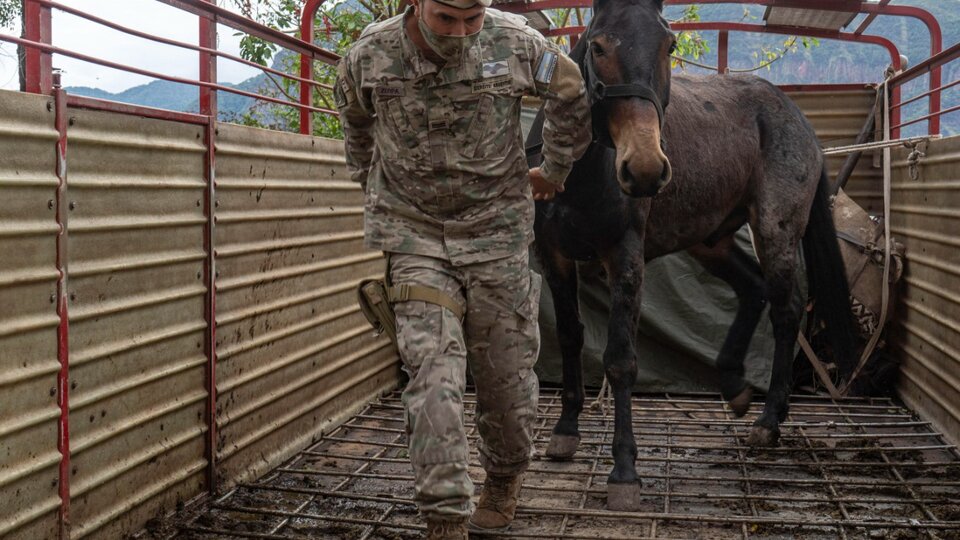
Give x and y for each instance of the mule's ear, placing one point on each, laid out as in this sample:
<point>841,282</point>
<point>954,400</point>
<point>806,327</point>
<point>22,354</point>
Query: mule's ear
<point>658,4</point>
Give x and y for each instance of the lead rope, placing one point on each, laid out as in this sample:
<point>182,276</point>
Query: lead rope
<point>603,398</point>
<point>885,292</point>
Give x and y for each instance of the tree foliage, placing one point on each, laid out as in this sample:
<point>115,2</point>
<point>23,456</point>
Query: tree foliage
<point>9,12</point>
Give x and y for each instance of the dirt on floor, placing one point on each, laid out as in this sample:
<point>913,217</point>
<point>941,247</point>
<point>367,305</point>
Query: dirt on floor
<point>857,469</point>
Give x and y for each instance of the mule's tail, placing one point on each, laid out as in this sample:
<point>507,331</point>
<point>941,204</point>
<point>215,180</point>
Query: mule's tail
<point>827,280</point>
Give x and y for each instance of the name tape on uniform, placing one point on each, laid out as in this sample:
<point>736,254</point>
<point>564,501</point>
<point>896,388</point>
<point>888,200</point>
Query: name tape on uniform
<point>389,91</point>
<point>487,85</point>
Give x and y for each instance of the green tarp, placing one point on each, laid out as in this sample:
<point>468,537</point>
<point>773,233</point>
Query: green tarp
<point>685,315</point>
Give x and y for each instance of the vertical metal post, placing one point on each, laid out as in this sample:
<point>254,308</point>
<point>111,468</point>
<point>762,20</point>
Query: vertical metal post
<point>307,17</point>
<point>895,92</point>
<point>39,66</point>
<point>208,65</point>
<point>63,327</point>
<point>723,53</point>
<point>208,107</point>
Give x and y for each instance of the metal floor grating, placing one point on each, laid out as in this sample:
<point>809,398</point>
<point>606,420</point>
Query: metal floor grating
<point>857,468</point>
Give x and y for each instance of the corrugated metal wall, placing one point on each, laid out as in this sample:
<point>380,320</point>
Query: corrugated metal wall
<point>136,318</point>
<point>925,216</point>
<point>294,352</point>
<point>295,355</point>
<point>837,116</point>
<point>29,458</point>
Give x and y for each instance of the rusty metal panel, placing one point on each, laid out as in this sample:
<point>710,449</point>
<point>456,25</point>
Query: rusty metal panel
<point>29,458</point>
<point>925,216</point>
<point>809,18</point>
<point>294,354</point>
<point>137,363</point>
<point>837,116</point>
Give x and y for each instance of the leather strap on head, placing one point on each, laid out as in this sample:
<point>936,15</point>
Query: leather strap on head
<point>598,92</point>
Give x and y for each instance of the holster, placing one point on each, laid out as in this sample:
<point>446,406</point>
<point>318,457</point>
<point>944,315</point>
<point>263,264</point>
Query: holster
<point>377,296</point>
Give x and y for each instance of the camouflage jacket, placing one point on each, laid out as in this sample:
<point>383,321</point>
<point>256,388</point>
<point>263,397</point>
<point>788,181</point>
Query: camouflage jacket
<point>439,150</point>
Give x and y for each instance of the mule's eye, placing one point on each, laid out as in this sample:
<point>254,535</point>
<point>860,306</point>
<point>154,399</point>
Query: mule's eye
<point>597,49</point>
<point>673,48</point>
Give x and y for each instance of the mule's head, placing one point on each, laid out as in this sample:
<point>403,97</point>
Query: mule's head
<point>627,71</point>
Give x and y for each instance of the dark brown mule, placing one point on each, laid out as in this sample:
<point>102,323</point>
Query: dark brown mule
<point>739,151</point>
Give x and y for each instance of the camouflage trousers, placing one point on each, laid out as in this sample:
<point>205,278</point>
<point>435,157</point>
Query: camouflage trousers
<point>498,341</point>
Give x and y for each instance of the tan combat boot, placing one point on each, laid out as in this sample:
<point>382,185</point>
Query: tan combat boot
<point>498,502</point>
<point>446,529</point>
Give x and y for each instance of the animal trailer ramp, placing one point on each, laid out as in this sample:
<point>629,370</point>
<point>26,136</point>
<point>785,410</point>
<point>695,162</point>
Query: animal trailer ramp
<point>854,468</point>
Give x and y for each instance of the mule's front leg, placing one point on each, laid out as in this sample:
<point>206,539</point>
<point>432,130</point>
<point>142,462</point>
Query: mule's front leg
<point>561,275</point>
<point>625,271</point>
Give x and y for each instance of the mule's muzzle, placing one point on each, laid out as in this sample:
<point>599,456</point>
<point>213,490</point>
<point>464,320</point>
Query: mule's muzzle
<point>646,178</point>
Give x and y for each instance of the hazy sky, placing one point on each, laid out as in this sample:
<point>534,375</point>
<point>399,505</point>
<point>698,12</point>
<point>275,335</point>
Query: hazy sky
<point>151,16</point>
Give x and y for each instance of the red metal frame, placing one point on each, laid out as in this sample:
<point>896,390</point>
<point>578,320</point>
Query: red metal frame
<point>843,87</point>
<point>236,21</point>
<point>854,6</point>
<point>37,28</point>
<point>208,108</point>
<point>930,65</point>
<point>175,43</point>
<point>723,62</point>
<point>308,15</point>
<point>155,75</point>
<point>63,327</point>
<point>95,104</point>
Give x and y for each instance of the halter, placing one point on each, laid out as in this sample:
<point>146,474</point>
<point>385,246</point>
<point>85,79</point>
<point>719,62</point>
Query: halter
<point>598,92</point>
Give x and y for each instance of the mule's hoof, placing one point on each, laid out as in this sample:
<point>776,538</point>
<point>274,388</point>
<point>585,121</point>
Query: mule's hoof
<point>562,447</point>
<point>741,403</point>
<point>624,497</point>
<point>761,436</point>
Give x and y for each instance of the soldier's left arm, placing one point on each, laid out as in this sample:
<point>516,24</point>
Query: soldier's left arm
<point>566,128</point>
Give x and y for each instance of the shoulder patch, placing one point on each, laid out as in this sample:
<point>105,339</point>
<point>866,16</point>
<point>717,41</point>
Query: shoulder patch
<point>548,64</point>
<point>496,69</point>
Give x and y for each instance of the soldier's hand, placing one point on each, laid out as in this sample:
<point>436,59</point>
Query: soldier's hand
<point>542,190</point>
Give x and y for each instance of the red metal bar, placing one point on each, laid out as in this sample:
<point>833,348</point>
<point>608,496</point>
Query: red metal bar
<point>931,65</point>
<point>63,327</point>
<point>933,27</point>
<point>785,30</point>
<point>922,118</point>
<point>238,22</point>
<point>208,66</point>
<point>39,66</point>
<point>722,52</point>
<point>95,104</point>
<point>210,303</point>
<point>927,65</point>
<point>173,42</point>
<point>925,94</point>
<point>208,108</point>
<point>762,29</point>
<point>307,17</point>
<point>122,67</point>
<point>822,87</point>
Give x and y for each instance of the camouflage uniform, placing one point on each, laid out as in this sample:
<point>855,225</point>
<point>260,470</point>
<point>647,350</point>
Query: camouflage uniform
<point>439,153</point>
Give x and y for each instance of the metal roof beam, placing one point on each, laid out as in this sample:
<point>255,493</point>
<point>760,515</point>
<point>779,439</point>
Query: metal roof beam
<point>869,20</point>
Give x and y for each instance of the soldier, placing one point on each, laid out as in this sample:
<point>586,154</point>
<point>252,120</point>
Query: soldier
<point>430,101</point>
